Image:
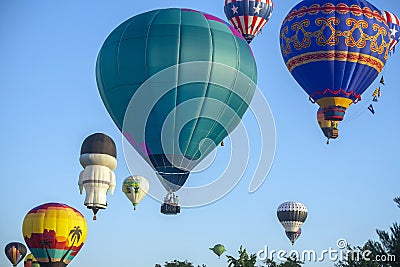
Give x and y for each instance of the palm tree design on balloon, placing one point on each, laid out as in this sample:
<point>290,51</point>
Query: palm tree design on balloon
<point>45,243</point>
<point>75,235</point>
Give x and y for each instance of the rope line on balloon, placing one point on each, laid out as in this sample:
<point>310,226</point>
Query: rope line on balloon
<point>365,107</point>
<point>368,104</point>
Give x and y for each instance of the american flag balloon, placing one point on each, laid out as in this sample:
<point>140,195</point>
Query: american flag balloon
<point>248,16</point>
<point>394,28</point>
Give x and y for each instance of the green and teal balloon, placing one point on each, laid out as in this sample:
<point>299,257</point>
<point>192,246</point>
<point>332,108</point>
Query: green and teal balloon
<point>176,82</point>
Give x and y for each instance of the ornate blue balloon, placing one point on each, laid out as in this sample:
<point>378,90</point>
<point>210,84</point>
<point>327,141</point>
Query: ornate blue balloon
<point>334,50</point>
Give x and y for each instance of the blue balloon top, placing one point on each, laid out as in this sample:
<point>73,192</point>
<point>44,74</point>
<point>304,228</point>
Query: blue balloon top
<point>334,48</point>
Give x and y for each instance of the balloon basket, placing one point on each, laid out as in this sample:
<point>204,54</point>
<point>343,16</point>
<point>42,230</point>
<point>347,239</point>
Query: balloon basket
<point>334,133</point>
<point>170,209</point>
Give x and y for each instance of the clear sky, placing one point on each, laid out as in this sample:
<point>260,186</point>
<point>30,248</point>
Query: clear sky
<point>49,103</point>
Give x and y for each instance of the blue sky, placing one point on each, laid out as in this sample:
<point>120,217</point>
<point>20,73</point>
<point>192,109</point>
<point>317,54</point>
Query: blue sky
<point>49,103</point>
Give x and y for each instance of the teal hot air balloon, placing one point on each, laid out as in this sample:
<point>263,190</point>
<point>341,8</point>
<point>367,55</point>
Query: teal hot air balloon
<point>175,119</point>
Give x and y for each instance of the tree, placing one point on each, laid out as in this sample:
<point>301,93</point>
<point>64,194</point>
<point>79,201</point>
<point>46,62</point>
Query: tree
<point>270,263</point>
<point>397,201</point>
<point>244,260</point>
<point>355,259</point>
<point>290,262</point>
<point>385,253</point>
<point>391,244</point>
<point>176,263</point>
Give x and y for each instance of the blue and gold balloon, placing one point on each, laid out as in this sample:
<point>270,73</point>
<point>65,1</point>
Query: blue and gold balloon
<point>334,50</point>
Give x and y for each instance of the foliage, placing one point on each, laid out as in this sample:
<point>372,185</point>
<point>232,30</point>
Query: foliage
<point>288,263</point>
<point>176,263</point>
<point>244,260</point>
<point>291,263</point>
<point>388,248</point>
<point>397,201</point>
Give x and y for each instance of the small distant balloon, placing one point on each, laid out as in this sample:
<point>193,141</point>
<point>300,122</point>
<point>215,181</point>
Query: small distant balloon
<point>218,249</point>
<point>135,189</point>
<point>98,157</point>
<point>248,16</point>
<point>15,252</point>
<point>394,28</point>
<point>30,261</point>
<point>292,215</point>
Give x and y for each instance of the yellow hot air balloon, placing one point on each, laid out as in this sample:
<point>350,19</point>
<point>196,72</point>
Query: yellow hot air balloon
<point>54,233</point>
<point>30,261</point>
<point>135,188</point>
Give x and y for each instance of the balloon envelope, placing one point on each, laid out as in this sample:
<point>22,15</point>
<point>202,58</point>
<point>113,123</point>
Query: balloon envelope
<point>292,215</point>
<point>15,252</point>
<point>248,16</point>
<point>333,51</point>
<point>54,233</point>
<point>394,28</point>
<point>218,249</point>
<point>159,75</point>
<point>30,261</point>
<point>135,188</point>
<point>98,157</point>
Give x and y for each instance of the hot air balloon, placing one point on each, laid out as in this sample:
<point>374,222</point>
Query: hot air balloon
<point>159,75</point>
<point>135,188</point>
<point>98,157</point>
<point>54,233</point>
<point>218,249</point>
<point>394,28</point>
<point>329,128</point>
<point>334,50</point>
<point>248,16</point>
<point>292,215</point>
<point>15,252</point>
<point>30,261</point>
<point>293,236</point>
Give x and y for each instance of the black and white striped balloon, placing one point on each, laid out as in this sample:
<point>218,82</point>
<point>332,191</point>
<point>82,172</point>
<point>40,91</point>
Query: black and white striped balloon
<point>292,215</point>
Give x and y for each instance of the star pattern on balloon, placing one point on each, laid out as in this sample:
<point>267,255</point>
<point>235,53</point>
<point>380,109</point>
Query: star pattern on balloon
<point>235,9</point>
<point>257,9</point>
<point>393,31</point>
<point>248,16</point>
